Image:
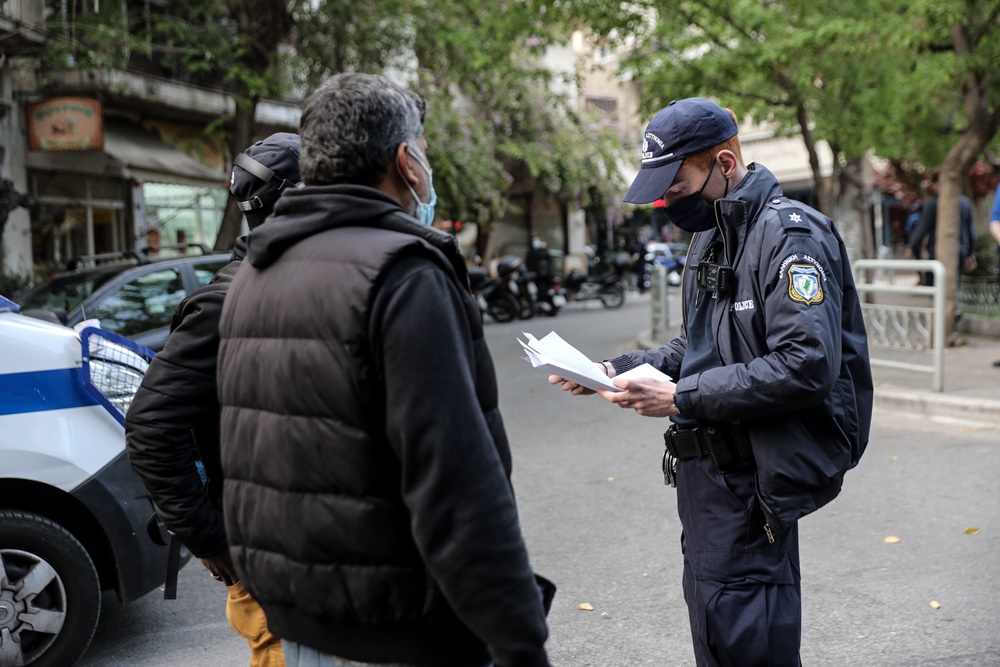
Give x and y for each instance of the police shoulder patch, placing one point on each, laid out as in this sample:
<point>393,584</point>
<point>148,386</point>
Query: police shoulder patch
<point>794,220</point>
<point>805,284</point>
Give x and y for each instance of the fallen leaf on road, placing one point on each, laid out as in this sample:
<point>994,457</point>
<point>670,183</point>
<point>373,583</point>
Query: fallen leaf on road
<point>892,539</point>
<point>972,531</point>
<point>934,604</point>
<point>893,458</point>
<point>586,606</point>
<point>611,479</point>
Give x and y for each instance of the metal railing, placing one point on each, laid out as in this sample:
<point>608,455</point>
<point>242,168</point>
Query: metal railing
<point>904,326</point>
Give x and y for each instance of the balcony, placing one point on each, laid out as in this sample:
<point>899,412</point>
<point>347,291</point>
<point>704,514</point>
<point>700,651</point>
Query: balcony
<point>164,98</point>
<point>20,23</point>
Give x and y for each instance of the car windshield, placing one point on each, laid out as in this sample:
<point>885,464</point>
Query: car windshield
<point>66,291</point>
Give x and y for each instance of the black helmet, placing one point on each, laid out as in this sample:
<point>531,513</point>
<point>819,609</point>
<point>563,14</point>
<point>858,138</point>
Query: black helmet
<point>262,172</point>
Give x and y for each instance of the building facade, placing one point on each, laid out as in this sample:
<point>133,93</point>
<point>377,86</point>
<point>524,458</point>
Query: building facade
<point>113,161</point>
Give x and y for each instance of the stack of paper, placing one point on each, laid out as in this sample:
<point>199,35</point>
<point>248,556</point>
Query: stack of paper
<point>555,356</point>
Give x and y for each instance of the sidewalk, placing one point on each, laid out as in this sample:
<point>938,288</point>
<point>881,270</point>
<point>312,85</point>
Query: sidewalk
<point>971,383</point>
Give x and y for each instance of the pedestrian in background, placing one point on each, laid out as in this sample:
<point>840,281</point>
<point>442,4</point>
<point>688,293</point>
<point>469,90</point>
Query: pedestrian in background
<point>538,259</point>
<point>368,495</point>
<point>173,422</point>
<point>995,233</point>
<point>773,398</point>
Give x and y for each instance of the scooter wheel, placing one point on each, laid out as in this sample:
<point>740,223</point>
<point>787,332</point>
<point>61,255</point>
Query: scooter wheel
<point>613,296</point>
<point>503,307</point>
<point>526,309</point>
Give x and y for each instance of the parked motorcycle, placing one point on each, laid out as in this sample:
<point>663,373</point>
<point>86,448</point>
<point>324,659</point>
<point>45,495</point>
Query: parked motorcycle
<point>608,287</point>
<point>550,296</point>
<point>518,283</point>
<point>493,296</point>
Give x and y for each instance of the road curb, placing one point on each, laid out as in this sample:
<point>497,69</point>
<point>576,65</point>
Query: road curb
<point>981,411</point>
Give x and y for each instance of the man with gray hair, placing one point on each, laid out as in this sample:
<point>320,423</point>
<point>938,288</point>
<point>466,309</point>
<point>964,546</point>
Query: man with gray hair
<point>368,496</point>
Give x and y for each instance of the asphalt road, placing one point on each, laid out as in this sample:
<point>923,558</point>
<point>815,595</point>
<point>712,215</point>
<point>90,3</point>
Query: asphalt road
<point>599,522</point>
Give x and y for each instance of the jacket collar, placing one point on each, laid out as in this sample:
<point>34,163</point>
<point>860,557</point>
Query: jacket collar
<point>305,212</point>
<point>743,205</point>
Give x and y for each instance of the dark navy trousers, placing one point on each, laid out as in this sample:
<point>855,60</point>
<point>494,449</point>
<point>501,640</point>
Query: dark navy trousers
<point>743,593</point>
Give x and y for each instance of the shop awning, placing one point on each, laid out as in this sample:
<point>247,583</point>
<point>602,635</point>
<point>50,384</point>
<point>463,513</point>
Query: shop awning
<point>130,152</point>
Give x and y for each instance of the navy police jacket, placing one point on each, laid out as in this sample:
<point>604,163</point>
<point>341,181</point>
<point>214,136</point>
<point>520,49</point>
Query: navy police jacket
<point>792,346</point>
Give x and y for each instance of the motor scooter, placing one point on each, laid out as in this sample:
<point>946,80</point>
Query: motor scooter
<point>519,283</point>
<point>608,287</point>
<point>493,296</point>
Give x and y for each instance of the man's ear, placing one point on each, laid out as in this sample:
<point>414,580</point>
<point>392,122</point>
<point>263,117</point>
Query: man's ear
<point>727,161</point>
<point>403,167</point>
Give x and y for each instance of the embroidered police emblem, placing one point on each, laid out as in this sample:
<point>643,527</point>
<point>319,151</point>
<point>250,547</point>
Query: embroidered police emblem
<point>804,284</point>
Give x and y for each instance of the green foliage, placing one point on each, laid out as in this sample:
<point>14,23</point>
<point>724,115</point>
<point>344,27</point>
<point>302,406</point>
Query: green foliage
<point>493,118</point>
<point>878,75</point>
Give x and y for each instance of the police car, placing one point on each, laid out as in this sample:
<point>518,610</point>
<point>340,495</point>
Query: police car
<point>73,515</point>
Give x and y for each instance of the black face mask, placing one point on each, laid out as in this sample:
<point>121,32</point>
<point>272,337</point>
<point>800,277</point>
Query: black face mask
<point>693,213</point>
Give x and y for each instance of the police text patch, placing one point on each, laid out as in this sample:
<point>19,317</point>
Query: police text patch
<point>804,283</point>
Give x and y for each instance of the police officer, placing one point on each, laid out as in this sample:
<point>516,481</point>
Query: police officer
<point>773,395</point>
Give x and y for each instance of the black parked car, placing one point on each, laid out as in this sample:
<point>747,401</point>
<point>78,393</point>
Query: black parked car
<point>135,295</point>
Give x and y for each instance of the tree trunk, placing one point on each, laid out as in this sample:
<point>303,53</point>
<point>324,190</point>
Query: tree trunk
<point>819,186</point>
<point>240,137</point>
<point>982,127</point>
<point>261,26</point>
<point>953,171</point>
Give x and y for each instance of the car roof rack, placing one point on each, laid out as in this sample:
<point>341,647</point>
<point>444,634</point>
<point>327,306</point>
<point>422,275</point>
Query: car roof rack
<point>182,247</point>
<point>93,261</point>
<point>141,256</point>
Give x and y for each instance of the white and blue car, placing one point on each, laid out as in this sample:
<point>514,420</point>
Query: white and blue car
<point>73,516</point>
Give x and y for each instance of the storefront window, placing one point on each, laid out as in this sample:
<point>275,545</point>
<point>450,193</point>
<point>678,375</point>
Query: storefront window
<point>77,216</point>
<point>183,213</point>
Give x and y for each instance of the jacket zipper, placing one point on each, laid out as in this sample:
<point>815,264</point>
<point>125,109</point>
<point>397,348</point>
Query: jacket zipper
<point>766,511</point>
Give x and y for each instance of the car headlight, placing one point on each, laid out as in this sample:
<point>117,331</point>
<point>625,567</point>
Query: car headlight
<point>117,381</point>
<point>114,368</point>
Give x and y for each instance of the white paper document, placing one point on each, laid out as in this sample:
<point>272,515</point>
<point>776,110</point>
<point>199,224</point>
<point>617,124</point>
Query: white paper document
<point>555,356</point>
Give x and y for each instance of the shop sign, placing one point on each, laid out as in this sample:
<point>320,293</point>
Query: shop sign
<point>65,124</point>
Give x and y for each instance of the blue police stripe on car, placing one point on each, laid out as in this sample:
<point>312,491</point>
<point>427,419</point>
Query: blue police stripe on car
<point>39,391</point>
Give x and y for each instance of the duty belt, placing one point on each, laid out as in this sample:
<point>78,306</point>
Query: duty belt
<point>727,445</point>
<point>688,443</point>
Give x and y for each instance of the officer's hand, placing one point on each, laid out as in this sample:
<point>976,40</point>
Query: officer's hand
<point>970,263</point>
<point>570,386</point>
<point>574,388</point>
<point>648,397</point>
<point>222,568</point>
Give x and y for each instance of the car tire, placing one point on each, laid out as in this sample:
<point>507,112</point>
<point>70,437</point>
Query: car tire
<point>64,598</point>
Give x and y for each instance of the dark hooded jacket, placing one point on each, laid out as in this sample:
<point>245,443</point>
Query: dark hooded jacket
<point>173,420</point>
<point>793,365</point>
<point>367,494</point>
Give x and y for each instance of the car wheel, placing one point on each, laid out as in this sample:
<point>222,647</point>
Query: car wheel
<point>503,306</point>
<point>50,595</point>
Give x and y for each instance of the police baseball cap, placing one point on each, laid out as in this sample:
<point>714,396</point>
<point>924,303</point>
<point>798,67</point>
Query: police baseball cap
<point>263,171</point>
<point>681,129</point>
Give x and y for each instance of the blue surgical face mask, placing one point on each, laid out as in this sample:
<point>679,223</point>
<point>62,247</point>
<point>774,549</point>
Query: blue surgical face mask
<point>424,212</point>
